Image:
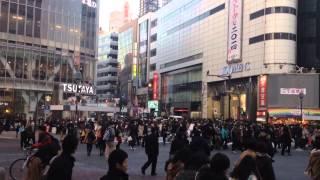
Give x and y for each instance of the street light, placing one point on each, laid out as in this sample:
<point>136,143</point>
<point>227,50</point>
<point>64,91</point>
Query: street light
<point>47,99</point>
<point>227,78</point>
<point>77,77</point>
<point>301,96</point>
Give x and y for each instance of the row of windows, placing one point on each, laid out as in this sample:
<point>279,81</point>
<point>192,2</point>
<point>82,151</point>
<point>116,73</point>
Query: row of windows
<point>103,74</point>
<point>270,36</point>
<point>153,38</point>
<point>101,66</point>
<point>35,22</point>
<point>154,23</point>
<point>196,19</point>
<point>183,60</point>
<point>153,52</point>
<point>105,91</point>
<point>106,82</point>
<point>36,65</point>
<point>272,10</point>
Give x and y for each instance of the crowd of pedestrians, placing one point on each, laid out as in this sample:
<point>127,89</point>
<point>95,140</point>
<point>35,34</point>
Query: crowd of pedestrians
<point>192,144</point>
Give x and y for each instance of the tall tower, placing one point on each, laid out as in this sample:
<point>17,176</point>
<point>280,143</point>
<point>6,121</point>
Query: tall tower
<point>148,6</point>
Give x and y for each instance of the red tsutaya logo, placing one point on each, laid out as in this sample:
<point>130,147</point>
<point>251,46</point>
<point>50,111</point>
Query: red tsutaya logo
<point>155,86</point>
<point>263,92</point>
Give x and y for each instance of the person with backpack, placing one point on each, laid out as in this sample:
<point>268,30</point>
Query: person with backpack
<point>48,147</point>
<point>62,165</point>
<point>108,137</point>
<point>89,140</point>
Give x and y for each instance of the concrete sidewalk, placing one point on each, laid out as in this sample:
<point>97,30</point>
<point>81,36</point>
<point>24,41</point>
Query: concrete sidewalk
<point>9,135</point>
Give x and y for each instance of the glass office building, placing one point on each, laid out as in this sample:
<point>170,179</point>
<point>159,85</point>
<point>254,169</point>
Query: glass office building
<point>309,34</point>
<point>42,44</point>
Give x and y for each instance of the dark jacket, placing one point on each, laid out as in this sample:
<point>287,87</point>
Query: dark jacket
<point>152,145</point>
<point>264,163</point>
<point>115,175</point>
<point>61,168</point>
<point>199,144</point>
<point>178,144</point>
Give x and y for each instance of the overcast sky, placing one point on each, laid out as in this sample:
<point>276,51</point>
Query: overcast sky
<point>107,6</point>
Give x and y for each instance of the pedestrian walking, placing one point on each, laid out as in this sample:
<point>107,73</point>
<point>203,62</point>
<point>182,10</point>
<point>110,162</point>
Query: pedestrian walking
<point>118,166</point>
<point>246,170</point>
<point>62,165</point>
<point>286,140</point>
<point>89,139</point>
<point>108,137</point>
<point>219,165</point>
<point>152,151</point>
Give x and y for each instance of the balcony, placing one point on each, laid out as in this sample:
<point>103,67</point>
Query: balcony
<point>108,61</point>
<point>107,78</point>
<point>112,51</point>
<point>108,86</point>
<point>108,69</point>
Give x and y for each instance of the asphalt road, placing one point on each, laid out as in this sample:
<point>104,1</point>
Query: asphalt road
<point>93,167</point>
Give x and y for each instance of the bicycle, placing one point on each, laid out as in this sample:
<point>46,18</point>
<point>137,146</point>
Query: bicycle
<point>18,168</point>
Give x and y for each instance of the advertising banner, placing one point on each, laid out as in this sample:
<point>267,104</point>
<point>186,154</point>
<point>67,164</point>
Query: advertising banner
<point>262,92</point>
<point>235,31</point>
<point>284,89</point>
<point>155,86</point>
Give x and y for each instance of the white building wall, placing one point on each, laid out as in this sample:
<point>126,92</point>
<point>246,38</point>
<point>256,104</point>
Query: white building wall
<point>209,36</point>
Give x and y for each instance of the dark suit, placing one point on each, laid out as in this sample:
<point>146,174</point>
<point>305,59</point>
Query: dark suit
<point>152,151</point>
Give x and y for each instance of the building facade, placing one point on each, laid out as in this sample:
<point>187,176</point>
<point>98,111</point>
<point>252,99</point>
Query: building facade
<point>107,67</point>
<point>309,34</point>
<point>127,58</point>
<point>42,44</point>
<point>147,6</point>
<point>209,55</point>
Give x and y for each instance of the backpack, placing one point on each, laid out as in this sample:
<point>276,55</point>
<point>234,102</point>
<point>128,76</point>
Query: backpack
<point>55,145</point>
<point>44,175</point>
<point>109,135</point>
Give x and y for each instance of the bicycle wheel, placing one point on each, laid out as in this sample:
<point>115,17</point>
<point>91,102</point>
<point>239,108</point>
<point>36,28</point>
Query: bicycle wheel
<point>17,169</point>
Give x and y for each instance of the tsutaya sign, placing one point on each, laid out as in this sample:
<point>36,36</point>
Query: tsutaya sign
<point>235,68</point>
<point>235,31</point>
<point>78,88</point>
<point>90,3</point>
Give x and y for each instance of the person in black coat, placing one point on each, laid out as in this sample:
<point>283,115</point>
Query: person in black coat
<point>286,140</point>
<point>62,165</point>
<point>118,166</point>
<point>152,151</point>
<point>264,161</point>
<point>179,143</point>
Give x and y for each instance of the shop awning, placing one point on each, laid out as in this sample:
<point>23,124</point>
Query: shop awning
<point>308,114</point>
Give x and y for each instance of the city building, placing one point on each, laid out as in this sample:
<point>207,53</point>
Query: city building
<point>127,59</point>
<point>43,44</point>
<point>210,58</point>
<point>147,6</point>
<point>309,34</point>
<point>145,24</point>
<point>107,67</point>
<point>119,18</point>
<point>165,2</point>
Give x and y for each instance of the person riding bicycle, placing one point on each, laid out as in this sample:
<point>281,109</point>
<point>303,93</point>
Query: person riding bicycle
<point>48,147</point>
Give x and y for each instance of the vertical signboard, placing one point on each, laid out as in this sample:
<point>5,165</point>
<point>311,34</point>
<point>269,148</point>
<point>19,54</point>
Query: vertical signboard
<point>235,31</point>
<point>155,86</point>
<point>262,96</point>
